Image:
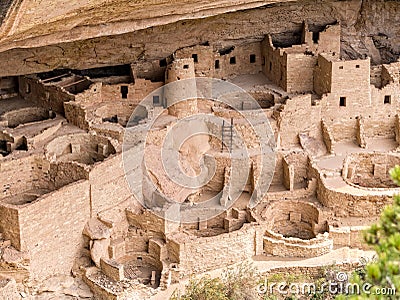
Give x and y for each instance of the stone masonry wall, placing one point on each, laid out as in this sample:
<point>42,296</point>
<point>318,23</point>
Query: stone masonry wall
<point>51,229</point>
<point>298,115</point>
<point>277,245</point>
<point>197,255</point>
<point>16,176</point>
<point>9,224</point>
<point>51,97</point>
<point>108,184</point>
<point>300,72</point>
<point>360,203</point>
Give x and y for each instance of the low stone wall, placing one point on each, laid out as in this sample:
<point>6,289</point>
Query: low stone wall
<point>370,171</point>
<point>82,148</point>
<point>112,269</point>
<point>294,218</point>
<point>26,115</point>
<point>350,201</point>
<point>293,195</point>
<point>76,114</point>
<point>197,255</point>
<point>314,272</point>
<point>277,245</point>
<point>349,236</point>
<point>327,136</point>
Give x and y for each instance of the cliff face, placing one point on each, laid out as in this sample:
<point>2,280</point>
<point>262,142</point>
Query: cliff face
<point>55,20</point>
<point>368,28</point>
<point>4,8</point>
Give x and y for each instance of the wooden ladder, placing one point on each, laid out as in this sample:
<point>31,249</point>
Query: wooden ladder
<point>227,136</point>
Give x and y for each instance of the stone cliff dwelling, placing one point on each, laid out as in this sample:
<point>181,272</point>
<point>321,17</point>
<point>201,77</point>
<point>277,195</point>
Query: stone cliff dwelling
<point>324,74</point>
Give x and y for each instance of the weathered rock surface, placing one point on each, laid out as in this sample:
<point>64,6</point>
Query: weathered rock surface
<point>27,19</point>
<point>96,230</point>
<point>62,287</point>
<point>367,28</point>
<point>8,289</point>
<point>99,249</point>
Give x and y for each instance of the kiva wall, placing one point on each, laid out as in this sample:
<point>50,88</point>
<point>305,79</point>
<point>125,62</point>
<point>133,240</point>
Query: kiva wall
<point>197,255</point>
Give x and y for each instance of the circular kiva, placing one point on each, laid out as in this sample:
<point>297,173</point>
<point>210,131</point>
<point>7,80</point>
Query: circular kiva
<point>155,152</point>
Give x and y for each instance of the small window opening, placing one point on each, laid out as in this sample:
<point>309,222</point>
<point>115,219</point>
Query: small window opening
<point>217,64</point>
<point>342,101</point>
<point>388,99</point>
<point>23,145</point>
<point>195,58</point>
<point>357,66</point>
<point>232,60</point>
<point>163,62</point>
<point>341,67</point>
<point>270,65</point>
<point>113,119</point>
<point>186,66</point>
<point>4,149</point>
<point>124,91</point>
<point>315,37</point>
<point>252,58</point>
<point>156,100</point>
